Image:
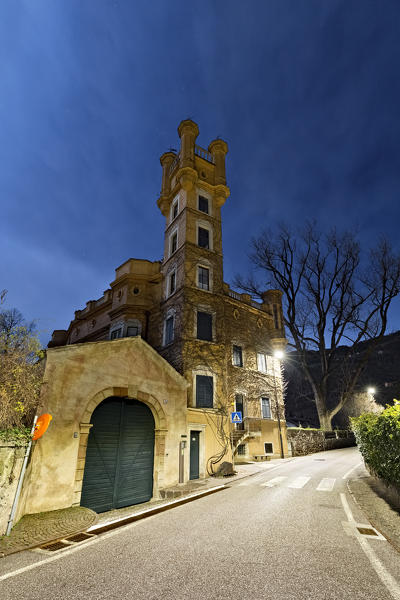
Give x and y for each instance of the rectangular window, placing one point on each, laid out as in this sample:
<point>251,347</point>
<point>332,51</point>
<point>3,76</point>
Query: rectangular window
<point>117,333</point>
<point>132,330</point>
<point>169,330</point>
<point>203,278</point>
<point>172,282</point>
<point>174,242</point>
<point>265,408</point>
<point>204,237</point>
<point>203,204</point>
<point>268,448</point>
<point>175,211</point>
<point>204,326</point>
<point>237,357</point>
<point>241,451</point>
<point>261,363</point>
<point>204,391</point>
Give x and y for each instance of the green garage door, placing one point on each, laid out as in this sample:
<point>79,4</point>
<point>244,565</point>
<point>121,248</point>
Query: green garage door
<point>119,456</point>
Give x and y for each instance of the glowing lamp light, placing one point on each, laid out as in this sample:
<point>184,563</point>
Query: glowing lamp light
<point>279,354</point>
<point>371,390</point>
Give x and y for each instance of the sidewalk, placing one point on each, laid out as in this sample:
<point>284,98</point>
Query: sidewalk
<point>42,528</point>
<point>376,505</point>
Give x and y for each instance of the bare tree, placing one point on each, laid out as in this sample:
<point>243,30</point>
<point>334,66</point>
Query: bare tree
<point>332,301</point>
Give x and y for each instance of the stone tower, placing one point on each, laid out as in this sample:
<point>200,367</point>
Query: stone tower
<point>193,192</point>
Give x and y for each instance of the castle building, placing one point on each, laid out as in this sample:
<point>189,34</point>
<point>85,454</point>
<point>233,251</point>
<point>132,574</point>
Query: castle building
<point>146,377</point>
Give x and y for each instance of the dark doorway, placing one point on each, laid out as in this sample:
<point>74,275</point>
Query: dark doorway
<point>194,454</point>
<point>119,456</point>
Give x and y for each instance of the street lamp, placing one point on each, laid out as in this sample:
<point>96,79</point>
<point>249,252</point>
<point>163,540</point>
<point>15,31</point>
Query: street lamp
<point>371,390</point>
<point>279,354</point>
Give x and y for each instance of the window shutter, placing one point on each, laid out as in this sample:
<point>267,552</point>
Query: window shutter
<point>204,326</point>
<point>204,391</point>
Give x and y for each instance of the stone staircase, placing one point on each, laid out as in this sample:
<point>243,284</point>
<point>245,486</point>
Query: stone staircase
<point>251,429</point>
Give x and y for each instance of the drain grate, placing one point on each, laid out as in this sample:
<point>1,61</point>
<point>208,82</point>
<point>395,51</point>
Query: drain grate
<point>54,546</point>
<point>366,531</point>
<point>79,537</point>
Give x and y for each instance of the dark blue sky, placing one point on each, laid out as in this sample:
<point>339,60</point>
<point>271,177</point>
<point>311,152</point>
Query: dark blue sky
<point>306,93</point>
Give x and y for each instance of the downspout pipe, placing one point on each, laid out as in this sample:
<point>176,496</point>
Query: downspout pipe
<point>21,480</point>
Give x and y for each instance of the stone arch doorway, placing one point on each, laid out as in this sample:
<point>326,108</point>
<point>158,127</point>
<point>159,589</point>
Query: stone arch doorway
<point>120,455</point>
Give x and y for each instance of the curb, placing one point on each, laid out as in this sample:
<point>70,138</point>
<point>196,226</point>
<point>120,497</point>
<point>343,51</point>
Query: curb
<point>371,519</point>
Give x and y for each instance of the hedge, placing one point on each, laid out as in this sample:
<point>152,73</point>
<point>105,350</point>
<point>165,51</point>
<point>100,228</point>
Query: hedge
<point>378,438</point>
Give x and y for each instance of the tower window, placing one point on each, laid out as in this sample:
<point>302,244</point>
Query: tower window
<point>204,326</point>
<point>237,356</point>
<point>203,204</point>
<point>174,242</point>
<point>175,210</point>
<point>203,238</point>
<point>172,283</point>
<point>203,278</point>
<point>265,408</point>
<point>204,391</point>
<point>117,333</point>
<point>169,330</point>
<point>261,362</point>
<point>132,331</point>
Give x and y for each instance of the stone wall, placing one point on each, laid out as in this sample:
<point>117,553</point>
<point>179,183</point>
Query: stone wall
<point>307,441</point>
<point>11,459</point>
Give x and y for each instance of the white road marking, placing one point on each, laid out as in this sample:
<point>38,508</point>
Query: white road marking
<point>345,476</point>
<point>274,481</point>
<point>326,485</point>
<point>386,578</point>
<point>346,508</point>
<point>299,482</point>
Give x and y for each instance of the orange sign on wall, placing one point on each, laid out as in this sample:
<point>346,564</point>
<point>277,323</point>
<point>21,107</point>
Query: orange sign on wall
<point>41,426</point>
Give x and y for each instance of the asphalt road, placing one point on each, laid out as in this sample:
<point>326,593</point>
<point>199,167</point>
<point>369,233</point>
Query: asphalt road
<point>287,533</point>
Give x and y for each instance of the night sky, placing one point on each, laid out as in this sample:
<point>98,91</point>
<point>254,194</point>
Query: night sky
<point>305,92</point>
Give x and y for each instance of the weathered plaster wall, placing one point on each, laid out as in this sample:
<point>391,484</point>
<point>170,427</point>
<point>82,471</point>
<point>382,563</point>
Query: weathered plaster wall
<point>77,378</point>
<point>11,459</point>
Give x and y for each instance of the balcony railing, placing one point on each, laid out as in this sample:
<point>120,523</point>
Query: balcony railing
<point>203,153</point>
<point>235,295</point>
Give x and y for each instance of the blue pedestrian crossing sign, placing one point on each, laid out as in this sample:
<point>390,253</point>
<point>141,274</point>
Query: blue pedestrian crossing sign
<point>236,417</point>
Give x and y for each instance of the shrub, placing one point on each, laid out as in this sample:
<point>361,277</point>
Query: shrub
<point>378,438</point>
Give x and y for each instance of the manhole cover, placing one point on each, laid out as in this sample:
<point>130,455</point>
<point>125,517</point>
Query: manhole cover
<point>366,531</point>
<point>79,537</point>
<point>54,546</point>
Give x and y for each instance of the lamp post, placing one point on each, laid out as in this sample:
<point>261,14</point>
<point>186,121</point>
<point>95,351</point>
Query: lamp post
<point>279,355</point>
